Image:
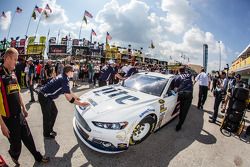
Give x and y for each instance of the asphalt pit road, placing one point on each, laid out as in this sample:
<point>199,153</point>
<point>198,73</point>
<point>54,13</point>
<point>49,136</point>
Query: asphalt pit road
<point>238,161</point>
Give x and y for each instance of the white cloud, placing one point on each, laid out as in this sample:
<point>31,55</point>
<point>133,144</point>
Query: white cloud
<point>180,15</point>
<point>128,23</point>
<point>5,22</point>
<point>192,46</point>
<point>57,16</point>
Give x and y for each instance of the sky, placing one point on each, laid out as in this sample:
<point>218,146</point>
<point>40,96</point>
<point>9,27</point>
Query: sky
<point>176,27</point>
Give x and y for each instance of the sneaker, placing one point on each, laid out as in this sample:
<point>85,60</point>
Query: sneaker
<point>212,120</point>
<point>211,117</point>
<point>44,159</point>
<point>53,133</point>
<point>49,137</point>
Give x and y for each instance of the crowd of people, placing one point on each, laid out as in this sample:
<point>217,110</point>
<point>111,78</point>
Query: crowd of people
<point>53,80</point>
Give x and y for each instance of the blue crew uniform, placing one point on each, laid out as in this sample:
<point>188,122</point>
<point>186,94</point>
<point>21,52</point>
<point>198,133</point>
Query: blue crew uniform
<point>46,96</point>
<point>184,85</point>
<point>131,71</point>
<point>106,74</point>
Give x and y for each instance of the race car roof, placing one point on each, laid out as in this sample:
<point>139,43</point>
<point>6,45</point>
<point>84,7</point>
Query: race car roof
<point>166,76</point>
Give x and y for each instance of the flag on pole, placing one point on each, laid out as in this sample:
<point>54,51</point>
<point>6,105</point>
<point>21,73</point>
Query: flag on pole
<point>93,32</point>
<point>38,9</point>
<point>3,15</point>
<point>86,13</point>
<point>48,8</point>
<point>34,15</point>
<point>19,10</point>
<point>85,19</point>
<point>46,14</point>
<point>108,36</point>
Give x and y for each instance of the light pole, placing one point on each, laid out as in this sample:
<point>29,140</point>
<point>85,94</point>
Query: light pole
<point>220,56</point>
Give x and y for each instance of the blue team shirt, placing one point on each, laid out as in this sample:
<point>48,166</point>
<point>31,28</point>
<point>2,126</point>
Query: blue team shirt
<point>184,82</point>
<point>106,73</point>
<point>131,71</point>
<point>57,86</point>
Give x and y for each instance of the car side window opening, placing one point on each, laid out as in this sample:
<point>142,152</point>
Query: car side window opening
<point>171,91</point>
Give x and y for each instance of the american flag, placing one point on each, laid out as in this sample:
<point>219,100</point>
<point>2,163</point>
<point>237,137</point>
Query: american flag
<point>108,36</point>
<point>38,9</point>
<point>48,8</point>
<point>93,32</point>
<point>19,10</point>
<point>3,15</point>
<point>86,13</point>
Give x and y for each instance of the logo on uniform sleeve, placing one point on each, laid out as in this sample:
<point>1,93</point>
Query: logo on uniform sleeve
<point>13,88</point>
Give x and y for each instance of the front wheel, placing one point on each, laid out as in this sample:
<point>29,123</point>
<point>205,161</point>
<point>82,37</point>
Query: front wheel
<point>142,130</point>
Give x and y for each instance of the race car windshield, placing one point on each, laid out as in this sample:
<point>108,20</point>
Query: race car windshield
<point>152,85</point>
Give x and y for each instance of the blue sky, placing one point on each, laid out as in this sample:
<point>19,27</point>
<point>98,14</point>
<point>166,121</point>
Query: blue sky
<point>176,26</point>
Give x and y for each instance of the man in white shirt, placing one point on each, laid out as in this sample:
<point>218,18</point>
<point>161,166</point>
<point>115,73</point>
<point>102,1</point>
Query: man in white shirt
<point>204,85</point>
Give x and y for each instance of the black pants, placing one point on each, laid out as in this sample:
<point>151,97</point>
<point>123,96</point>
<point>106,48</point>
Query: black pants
<point>20,132</point>
<point>49,112</point>
<point>202,95</point>
<point>95,78</point>
<point>102,83</point>
<point>217,100</point>
<point>31,87</point>
<point>185,103</point>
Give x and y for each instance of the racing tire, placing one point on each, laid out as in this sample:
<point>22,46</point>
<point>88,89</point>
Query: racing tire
<point>241,94</point>
<point>142,130</point>
<point>239,106</point>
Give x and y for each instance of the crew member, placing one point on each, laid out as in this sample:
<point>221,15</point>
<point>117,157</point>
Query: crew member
<point>132,70</point>
<point>108,73</point>
<point>184,87</point>
<point>51,91</point>
<point>13,111</point>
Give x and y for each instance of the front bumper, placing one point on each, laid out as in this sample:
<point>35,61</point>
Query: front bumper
<point>97,144</point>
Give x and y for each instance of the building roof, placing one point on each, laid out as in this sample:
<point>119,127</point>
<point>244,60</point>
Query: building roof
<point>245,51</point>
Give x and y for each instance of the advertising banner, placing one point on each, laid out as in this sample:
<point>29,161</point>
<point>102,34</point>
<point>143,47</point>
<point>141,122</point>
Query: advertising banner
<point>31,40</point>
<point>57,49</point>
<point>52,40</point>
<point>22,42</point>
<point>42,40</point>
<point>21,50</point>
<point>35,49</point>
<point>80,50</point>
<point>13,43</point>
<point>64,41</point>
<point>75,42</point>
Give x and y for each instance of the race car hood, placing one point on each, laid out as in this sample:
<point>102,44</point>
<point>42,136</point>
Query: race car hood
<point>115,98</point>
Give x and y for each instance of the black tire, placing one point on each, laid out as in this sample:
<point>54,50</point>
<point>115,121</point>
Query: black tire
<point>147,120</point>
<point>241,94</point>
<point>239,106</point>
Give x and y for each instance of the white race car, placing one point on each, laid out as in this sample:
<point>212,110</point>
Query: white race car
<point>127,113</point>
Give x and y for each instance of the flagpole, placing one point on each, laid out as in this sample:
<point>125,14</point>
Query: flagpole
<point>11,24</point>
<point>91,37</point>
<point>58,35</point>
<point>38,23</point>
<point>47,43</point>
<point>80,30</point>
<point>28,25</point>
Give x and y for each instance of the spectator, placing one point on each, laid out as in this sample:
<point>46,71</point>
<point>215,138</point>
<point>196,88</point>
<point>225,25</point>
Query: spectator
<point>204,85</point>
